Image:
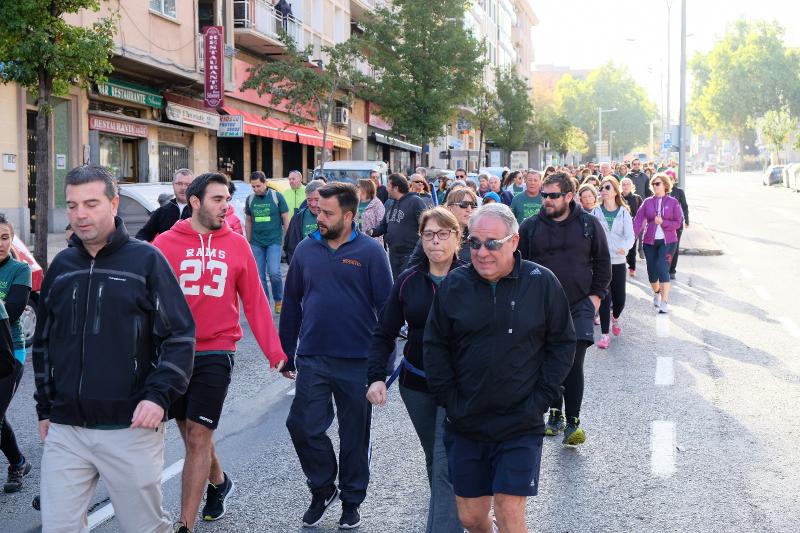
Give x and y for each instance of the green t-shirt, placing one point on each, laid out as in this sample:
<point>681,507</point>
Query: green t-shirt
<point>525,206</point>
<point>266,228</point>
<point>437,280</point>
<point>361,207</point>
<point>609,215</point>
<point>309,222</point>
<point>14,272</point>
<point>517,189</point>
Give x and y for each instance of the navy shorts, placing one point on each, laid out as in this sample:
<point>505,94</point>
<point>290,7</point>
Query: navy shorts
<point>583,319</point>
<point>487,468</point>
<point>207,390</point>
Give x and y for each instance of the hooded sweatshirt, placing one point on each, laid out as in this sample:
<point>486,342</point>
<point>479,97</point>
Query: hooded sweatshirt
<point>215,270</point>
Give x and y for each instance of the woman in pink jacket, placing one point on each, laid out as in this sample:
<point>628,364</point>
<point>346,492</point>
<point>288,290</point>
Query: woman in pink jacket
<point>370,207</point>
<point>660,216</point>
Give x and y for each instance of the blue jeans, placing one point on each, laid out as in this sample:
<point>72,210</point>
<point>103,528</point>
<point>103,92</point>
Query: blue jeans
<point>268,261</point>
<point>428,421</point>
<point>659,259</point>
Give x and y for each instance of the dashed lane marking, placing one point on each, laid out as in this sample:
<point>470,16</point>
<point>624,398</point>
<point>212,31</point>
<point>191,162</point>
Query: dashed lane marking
<point>106,512</point>
<point>662,448</point>
<point>662,325</point>
<point>665,371</point>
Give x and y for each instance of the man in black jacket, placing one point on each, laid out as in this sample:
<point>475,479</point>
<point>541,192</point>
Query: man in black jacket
<point>571,243</point>
<point>498,343</point>
<point>178,208</point>
<point>400,224</point>
<point>640,179</point>
<point>304,222</point>
<point>114,346</point>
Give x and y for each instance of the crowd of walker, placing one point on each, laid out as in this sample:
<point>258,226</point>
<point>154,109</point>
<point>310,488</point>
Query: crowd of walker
<point>496,285</point>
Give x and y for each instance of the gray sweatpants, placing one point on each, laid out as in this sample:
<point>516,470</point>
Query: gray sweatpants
<point>130,461</point>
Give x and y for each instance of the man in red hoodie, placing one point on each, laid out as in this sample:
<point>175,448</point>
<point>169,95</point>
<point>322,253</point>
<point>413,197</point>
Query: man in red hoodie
<point>215,269</point>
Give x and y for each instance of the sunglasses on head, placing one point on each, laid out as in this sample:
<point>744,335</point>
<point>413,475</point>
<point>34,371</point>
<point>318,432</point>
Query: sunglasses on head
<point>491,244</point>
<point>552,195</point>
<point>465,205</point>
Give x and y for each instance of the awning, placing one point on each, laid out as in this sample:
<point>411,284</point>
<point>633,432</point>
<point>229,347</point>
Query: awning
<point>340,141</point>
<point>397,143</point>
<point>308,136</point>
<point>269,127</point>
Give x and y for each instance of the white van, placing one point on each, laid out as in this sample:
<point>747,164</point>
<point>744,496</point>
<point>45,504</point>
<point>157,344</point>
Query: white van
<point>352,171</point>
<point>496,171</point>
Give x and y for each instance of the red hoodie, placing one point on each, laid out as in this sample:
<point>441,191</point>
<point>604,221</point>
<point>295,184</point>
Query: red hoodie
<point>214,271</point>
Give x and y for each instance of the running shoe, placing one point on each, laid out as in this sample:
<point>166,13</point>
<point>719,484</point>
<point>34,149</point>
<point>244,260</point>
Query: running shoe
<point>15,475</point>
<point>604,341</point>
<point>319,504</point>
<point>278,307</point>
<point>616,327</point>
<point>663,308</point>
<point>657,299</point>
<point>351,517</point>
<point>555,423</point>
<point>180,527</point>
<point>573,434</point>
<point>216,497</point>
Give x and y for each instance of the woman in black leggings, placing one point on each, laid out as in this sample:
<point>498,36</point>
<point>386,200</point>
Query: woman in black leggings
<point>634,201</point>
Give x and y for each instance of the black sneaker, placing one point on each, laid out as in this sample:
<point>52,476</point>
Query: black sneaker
<point>319,504</point>
<point>15,474</point>
<point>180,527</point>
<point>351,518</point>
<point>216,496</point>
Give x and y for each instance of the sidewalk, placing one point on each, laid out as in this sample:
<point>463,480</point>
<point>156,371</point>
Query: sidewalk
<point>697,240</point>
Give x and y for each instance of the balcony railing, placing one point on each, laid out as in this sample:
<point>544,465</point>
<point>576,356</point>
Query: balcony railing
<point>261,16</point>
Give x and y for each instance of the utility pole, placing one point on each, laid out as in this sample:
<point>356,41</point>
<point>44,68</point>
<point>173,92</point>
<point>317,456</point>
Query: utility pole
<point>668,125</point>
<point>600,112</point>
<point>682,141</point>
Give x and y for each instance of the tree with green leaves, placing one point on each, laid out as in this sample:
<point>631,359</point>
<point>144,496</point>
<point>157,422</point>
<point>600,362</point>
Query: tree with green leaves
<point>514,111</point>
<point>610,86</point>
<point>775,126</point>
<point>426,64</point>
<point>41,52</point>
<point>747,74</point>
<point>550,128</point>
<point>309,91</point>
<point>484,114</point>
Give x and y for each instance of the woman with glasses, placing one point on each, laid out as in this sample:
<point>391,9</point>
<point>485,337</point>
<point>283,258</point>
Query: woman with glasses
<point>410,302</point>
<point>420,187</point>
<point>616,220</point>
<point>462,203</point>
<point>370,207</point>
<point>660,216</point>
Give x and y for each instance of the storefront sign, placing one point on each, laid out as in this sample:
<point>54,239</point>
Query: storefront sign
<point>214,45</point>
<point>131,92</point>
<point>195,117</point>
<point>231,126</point>
<point>117,126</point>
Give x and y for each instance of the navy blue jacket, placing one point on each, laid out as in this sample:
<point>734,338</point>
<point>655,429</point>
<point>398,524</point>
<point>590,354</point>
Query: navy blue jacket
<point>332,298</point>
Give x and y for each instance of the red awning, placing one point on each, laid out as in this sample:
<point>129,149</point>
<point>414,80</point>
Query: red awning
<point>308,136</point>
<point>270,127</point>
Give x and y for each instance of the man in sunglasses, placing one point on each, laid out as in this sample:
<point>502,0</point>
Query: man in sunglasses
<point>528,203</point>
<point>498,343</point>
<point>571,243</point>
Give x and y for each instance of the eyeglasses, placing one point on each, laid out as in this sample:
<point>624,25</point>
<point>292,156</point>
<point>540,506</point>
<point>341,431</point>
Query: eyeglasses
<point>553,195</point>
<point>657,184</point>
<point>443,234</point>
<point>465,205</point>
<point>420,182</point>
<point>491,244</point>
<point>606,188</point>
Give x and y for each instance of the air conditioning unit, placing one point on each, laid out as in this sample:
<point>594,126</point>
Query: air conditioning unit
<point>341,116</point>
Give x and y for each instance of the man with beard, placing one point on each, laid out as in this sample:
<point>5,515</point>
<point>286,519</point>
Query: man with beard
<point>216,271</point>
<point>337,283</point>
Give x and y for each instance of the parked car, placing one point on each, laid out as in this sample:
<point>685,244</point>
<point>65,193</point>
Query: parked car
<point>497,171</point>
<point>711,169</point>
<point>352,171</point>
<point>28,317</point>
<point>773,175</point>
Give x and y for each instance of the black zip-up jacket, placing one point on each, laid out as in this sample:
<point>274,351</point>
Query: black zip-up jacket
<point>581,264</point>
<point>400,225</point>
<point>112,330</point>
<point>634,202</point>
<point>410,301</point>
<point>162,220</point>
<point>496,358</point>
<point>294,234</point>
<point>679,195</point>
<point>642,183</point>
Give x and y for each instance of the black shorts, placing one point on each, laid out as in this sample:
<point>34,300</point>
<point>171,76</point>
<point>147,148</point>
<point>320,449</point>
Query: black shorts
<point>208,387</point>
<point>583,320</point>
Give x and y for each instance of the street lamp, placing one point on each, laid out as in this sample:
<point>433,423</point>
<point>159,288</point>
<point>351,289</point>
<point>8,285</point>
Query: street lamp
<point>611,143</point>
<point>600,112</point>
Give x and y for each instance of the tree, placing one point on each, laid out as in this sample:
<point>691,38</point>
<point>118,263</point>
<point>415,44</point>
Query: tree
<point>484,115</point>
<point>610,86</point>
<point>514,111</point>
<point>426,64</point>
<point>747,73</point>
<point>775,126</point>
<point>40,51</point>
<point>304,90</point>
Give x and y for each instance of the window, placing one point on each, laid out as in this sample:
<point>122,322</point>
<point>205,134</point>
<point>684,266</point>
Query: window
<point>165,7</point>
<point>170,159</point>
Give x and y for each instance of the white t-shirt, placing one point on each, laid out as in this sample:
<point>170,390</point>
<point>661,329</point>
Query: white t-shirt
<point>180,208</point>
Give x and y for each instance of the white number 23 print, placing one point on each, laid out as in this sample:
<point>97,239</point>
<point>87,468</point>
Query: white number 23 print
<point>191,270</point>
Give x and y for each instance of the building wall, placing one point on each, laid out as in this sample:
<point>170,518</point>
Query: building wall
<point>13,197</point>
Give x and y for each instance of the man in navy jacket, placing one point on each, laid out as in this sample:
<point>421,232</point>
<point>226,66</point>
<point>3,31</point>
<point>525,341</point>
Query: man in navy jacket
<point>337,283</point>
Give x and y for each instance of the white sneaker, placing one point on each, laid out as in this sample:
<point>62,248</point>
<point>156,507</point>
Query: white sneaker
<point>663,308</point>
<point>657,299</point>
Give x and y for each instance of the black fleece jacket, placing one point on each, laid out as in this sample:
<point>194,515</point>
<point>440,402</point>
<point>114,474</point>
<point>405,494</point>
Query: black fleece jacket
<point>162,219</point>
<point>112,330</point>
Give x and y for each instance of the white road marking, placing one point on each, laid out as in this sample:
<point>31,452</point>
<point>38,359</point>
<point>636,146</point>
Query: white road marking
<point>662,448</point>
<point>665,371</point>
<point>790,326</point>
<point>745,273</point>
<point>762,293</point>
<point>291,392</point>
<point>106,512</point>
<point>662,325</point>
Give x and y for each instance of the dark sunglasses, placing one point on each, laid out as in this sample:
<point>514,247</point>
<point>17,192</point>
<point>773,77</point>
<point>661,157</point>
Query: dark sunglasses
<point>606,188</point>
<point>657,184</point>
<point>465,205</point>
<point>491,244</point>
<point>417,181</point>
<point>553,195</point>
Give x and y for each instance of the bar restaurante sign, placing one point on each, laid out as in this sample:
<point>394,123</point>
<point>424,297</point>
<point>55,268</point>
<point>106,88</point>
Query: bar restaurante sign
<point>214,45</point>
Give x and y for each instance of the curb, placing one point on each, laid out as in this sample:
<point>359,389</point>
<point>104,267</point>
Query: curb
<point>701,251</point>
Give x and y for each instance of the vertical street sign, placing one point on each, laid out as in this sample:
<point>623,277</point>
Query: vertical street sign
<point>214,44</point>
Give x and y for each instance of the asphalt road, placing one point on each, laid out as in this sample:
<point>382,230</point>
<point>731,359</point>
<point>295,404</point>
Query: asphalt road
<point>690,418</point>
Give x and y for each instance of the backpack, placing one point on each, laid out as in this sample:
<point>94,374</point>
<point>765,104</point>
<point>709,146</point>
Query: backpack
<point>249,201</point>
<point>586,218</point>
